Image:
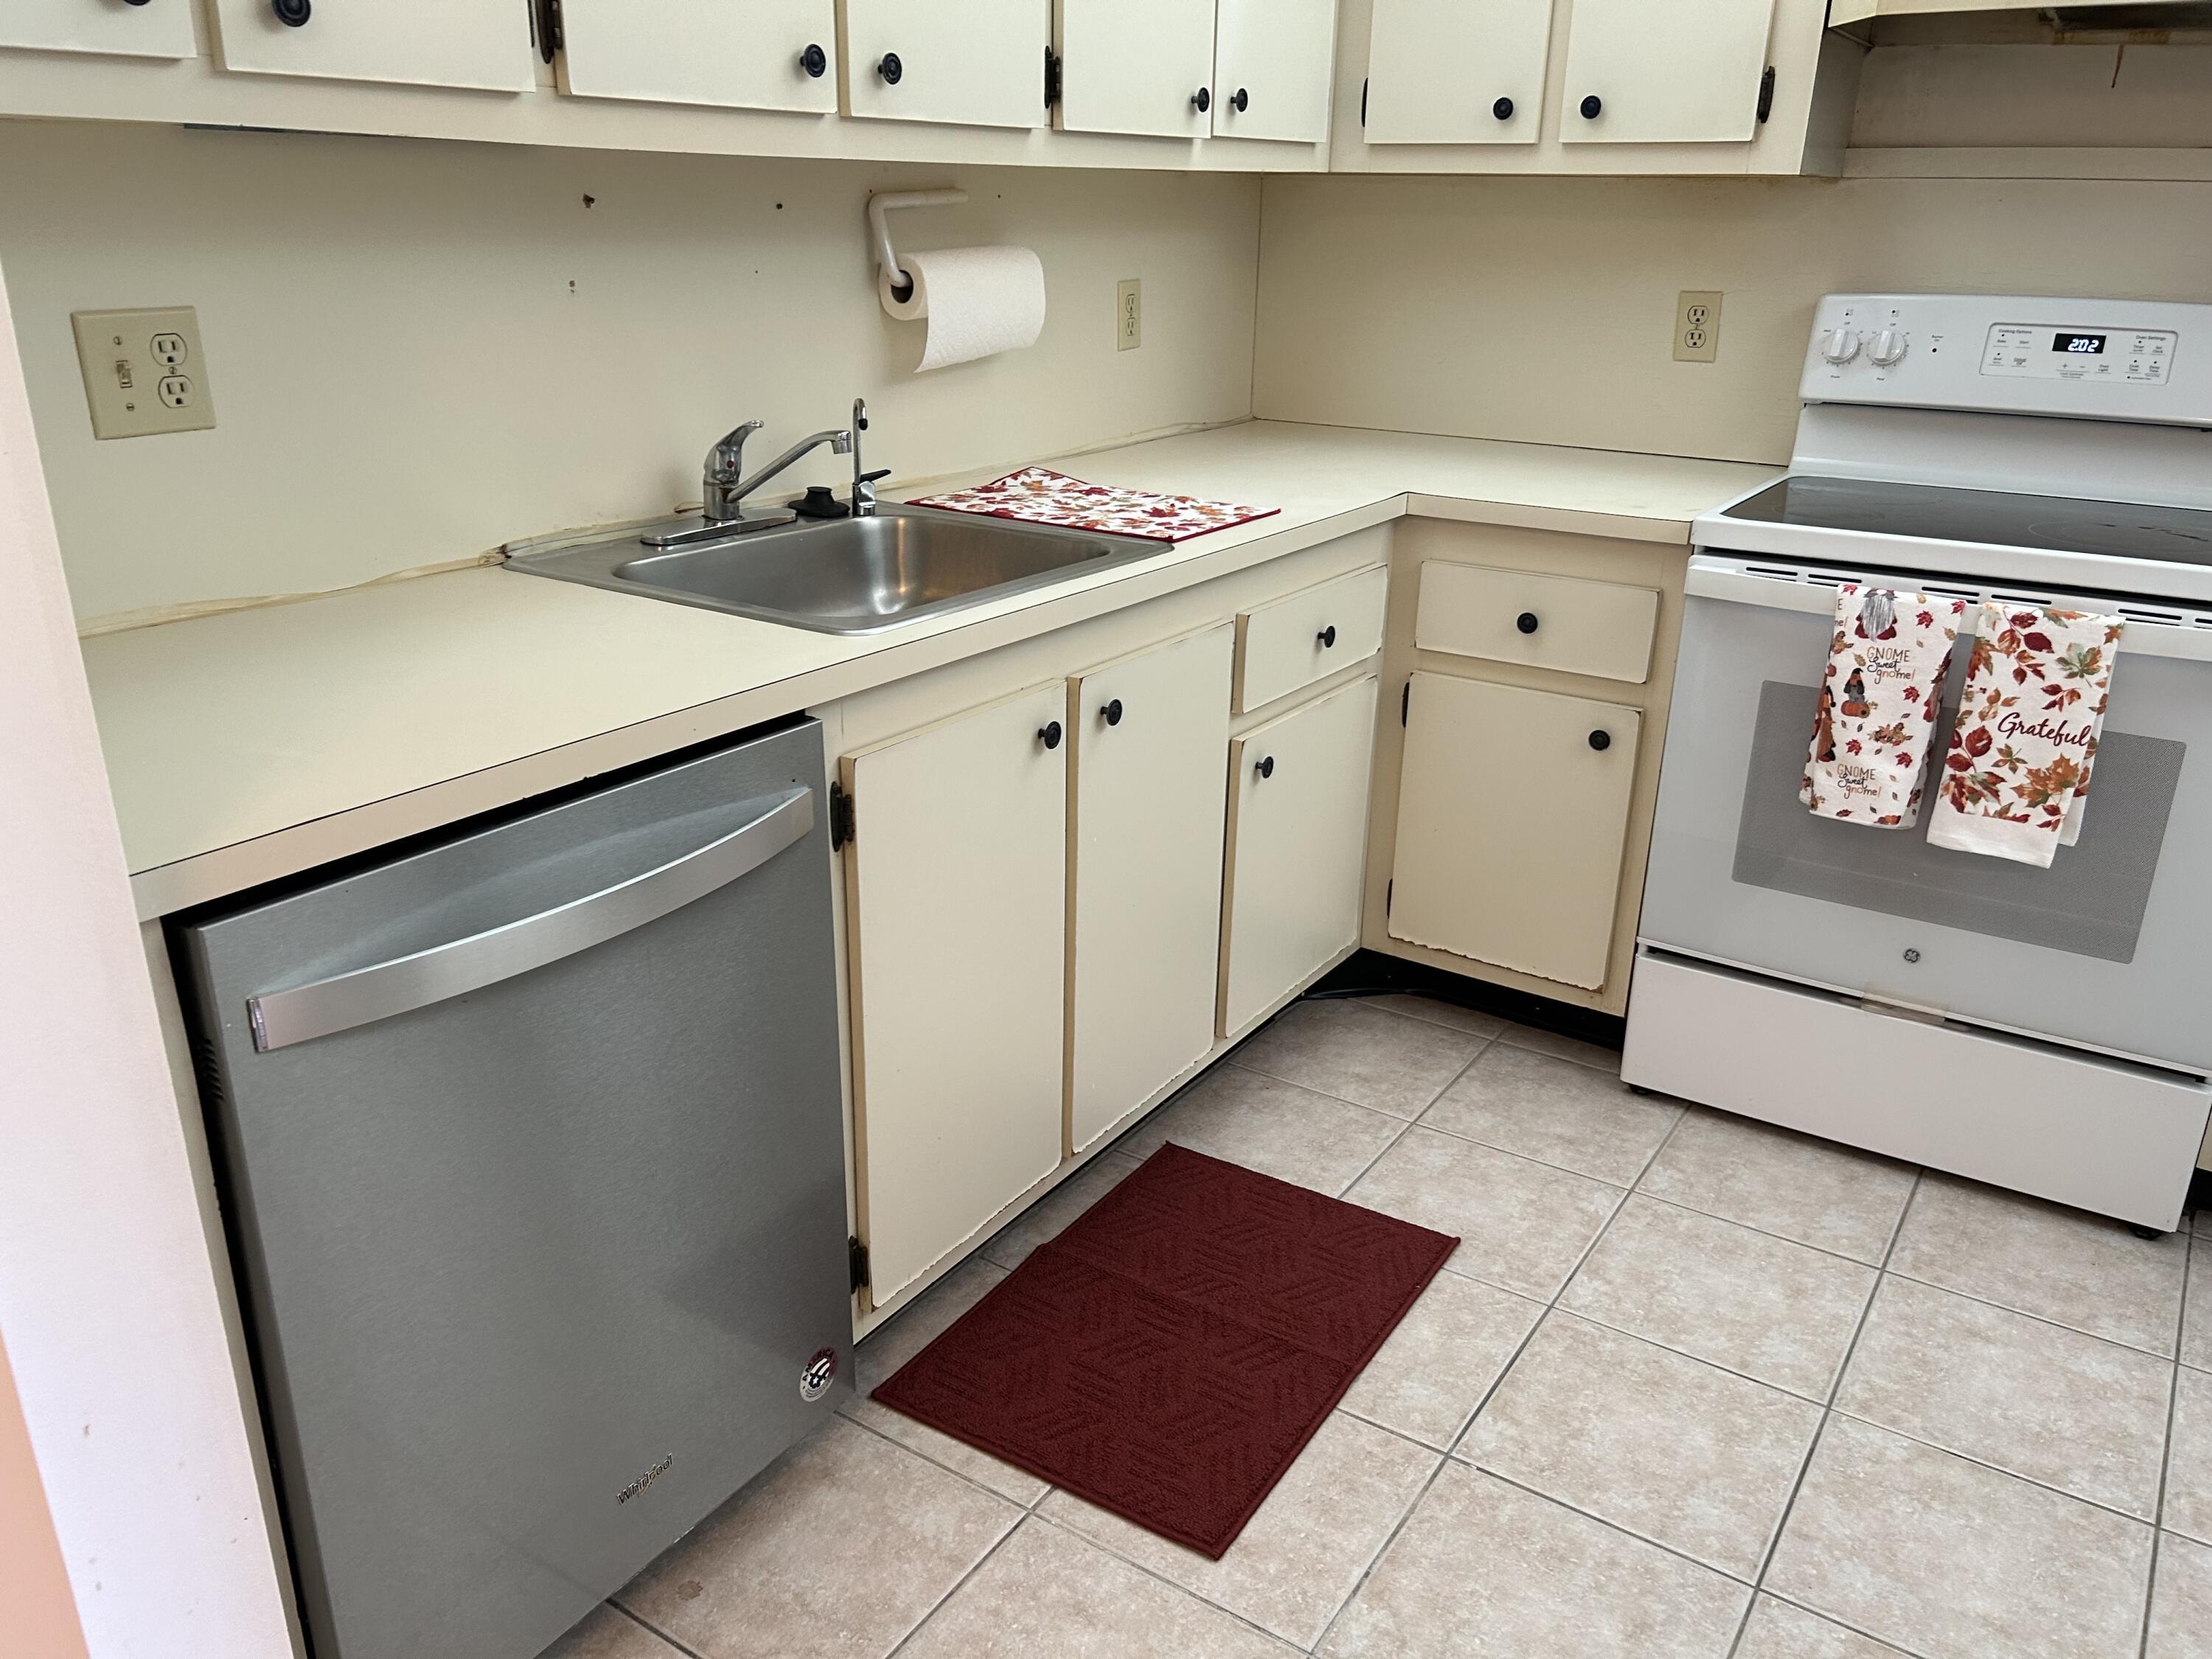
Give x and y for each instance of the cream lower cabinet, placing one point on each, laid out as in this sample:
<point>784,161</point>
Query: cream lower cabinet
<point>1297,847</point>
<point>956,913</point>
<point>1152,735</point>
<point>147,28</point>
<point>425,43</point>
<point>1513,813</point>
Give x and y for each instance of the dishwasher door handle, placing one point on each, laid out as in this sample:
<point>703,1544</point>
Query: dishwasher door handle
<point>281,1019</point>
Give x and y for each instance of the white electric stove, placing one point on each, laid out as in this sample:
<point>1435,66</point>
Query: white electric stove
<point>2049,1030</point>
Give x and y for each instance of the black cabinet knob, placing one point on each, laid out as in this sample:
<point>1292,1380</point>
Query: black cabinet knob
<point>1526,622</point>
<point>1048,734</point>
<point>1592,107</point>
<point>815,62</point>
<point>1265,768</point>
<point>134,3</point>
<point>1601,741</point>
<point>1503,109</point>
<point>1242,101</point>
<point>292,14</point>
<point>1327,637</point>
<point>891,69</point>
<point>1112,711</point>
<point>1202,99</point>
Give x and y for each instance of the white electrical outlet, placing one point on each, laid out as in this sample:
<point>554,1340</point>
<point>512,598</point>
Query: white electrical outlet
<point>1129,315</point>
<point>144,372</point>
<point>1697,327</point>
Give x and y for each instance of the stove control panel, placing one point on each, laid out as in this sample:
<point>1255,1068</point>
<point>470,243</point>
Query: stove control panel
<point>2126,360</point>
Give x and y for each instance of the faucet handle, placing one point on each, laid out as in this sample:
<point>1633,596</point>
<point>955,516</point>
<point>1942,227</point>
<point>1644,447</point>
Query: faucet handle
<point>726,459</point>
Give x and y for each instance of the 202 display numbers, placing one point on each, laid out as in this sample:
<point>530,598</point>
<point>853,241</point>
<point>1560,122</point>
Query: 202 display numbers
<point>2079,345</point>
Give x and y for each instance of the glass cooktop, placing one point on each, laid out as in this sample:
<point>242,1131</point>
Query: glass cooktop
<point>2124,529</point>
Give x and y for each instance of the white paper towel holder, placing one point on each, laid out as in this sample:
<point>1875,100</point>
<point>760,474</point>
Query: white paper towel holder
<point>898,284</point>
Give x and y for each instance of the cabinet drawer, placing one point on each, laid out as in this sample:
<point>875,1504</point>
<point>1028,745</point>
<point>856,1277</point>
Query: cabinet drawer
<point>1566,623</point>
<point>1307,635</point>
<point>1512,816</point>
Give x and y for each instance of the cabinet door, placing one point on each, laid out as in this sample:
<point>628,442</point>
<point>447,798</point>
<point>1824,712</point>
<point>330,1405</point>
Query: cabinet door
<point>1664,71</point>
<point>975,62</point>
<point>1136,66</point>
<point>153,28</point>
<point>765,54</point>
<point>1276,58</point>
<point>1512,815</point>
<point>1152,734</point>
<point>956,890</point>
<point>1457,71</point>
<point>1298,838</point>
<point>430,43</point>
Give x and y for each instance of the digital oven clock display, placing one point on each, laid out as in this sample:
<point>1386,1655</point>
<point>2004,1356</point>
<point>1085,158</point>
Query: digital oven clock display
<point>2079,345</point>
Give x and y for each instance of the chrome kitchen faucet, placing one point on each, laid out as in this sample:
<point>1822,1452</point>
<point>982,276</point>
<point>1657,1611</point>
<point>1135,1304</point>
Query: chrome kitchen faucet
<point>724,512</point>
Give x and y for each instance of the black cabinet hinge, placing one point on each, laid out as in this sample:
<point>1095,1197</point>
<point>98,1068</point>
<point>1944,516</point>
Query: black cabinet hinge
<point>1389,895</point>
<point>1363,106</point>
<point>548,28</point>
<point>842,817</point>
<point>1406,704</point>
<point>1766,95</point>
<point>1052,78</point>
<point>857,1256</point>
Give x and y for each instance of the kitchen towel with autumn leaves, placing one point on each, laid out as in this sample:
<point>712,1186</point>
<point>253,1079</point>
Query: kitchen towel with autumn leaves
<point>1878,701</point>
<point>2015,781</point>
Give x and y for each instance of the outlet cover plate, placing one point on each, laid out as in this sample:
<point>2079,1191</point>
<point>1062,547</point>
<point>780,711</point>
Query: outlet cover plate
<point>1128,315</point>
<point>144,371</point>
<point>1696,326</point>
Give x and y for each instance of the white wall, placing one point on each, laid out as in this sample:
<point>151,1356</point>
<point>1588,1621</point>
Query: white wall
<point>108,1301</point>
<point>1542,310</point>
<point>420,350</point>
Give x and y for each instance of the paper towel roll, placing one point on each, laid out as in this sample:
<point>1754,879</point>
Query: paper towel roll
<point>978,300</point>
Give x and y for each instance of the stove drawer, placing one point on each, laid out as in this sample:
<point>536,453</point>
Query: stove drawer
<point>1568,623</point>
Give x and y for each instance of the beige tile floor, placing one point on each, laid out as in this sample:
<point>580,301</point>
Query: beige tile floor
<point>1690,1389</point>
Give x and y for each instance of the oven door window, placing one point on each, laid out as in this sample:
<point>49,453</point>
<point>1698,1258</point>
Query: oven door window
<point>2104,949</point>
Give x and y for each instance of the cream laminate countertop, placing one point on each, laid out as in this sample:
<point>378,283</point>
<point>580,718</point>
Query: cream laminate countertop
<point>245,747</point>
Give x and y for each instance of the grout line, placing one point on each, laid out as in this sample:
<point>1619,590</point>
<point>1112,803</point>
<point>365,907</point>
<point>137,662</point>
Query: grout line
<point>2165,1461</point>
<point>2128,1515</point>
<point>965,1480</point>
<point>1389,1539</point>
<point>1829,1618</point>
<point>1158,1577</point>
<point>1557,1501</point>
<point>644,1623</point>
<point>1752,1227</point>
<point>2040,1319</point>
<point>958,1585</point>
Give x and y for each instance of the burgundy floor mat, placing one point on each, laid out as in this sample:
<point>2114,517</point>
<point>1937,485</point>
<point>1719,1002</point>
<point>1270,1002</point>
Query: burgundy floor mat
<point>1169,1355</point>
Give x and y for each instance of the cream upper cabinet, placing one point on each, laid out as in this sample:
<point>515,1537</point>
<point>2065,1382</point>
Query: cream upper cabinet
<point>1513,810</point>
<point>1272,62</point>
<point>153,28</point>
<point>956,913</point>
<point>1664,71</point>
<point>429,43</point>
<point>1297,839</point>
<point>1136,66</point>
<point>1457,71</point>
<point>973,63</point>
<point>1151,736</point>
<point>761,54</point>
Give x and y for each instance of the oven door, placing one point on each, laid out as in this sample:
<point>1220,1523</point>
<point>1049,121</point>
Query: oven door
<point>2104,949</point>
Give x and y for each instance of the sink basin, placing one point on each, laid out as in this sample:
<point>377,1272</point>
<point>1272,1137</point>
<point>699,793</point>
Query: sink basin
<point>846,576</point>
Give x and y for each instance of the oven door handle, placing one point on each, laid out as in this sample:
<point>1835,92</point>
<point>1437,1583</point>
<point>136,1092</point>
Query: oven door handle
<point>1710,580</point>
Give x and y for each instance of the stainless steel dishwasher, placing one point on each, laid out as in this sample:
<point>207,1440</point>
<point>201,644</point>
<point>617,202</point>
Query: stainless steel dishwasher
<point>531,1152</point>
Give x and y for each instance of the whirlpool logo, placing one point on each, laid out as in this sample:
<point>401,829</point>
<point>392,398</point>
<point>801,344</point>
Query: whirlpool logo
<point>645,1479</point>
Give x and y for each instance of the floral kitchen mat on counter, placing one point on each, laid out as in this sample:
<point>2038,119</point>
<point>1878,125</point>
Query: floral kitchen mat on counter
<point>1037,495</point>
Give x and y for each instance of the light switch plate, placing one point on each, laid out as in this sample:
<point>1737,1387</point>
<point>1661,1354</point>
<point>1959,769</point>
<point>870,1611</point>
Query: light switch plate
<point>144,371</point>
<point>1129,315</point>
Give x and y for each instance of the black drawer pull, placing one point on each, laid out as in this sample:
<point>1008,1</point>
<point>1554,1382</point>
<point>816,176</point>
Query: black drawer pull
<point>1265,768</point>
<point>891,69</point>
<point>815,62</point>
<point>1601,741</point>
<point>1112,711</point>
<point>1526,622</point>
<point>1242,101</point>
<point>292,14</point>
<point>1592,107</point>
<point>1327,637</point>
<point>1048,734</point>
<point>1202,99</point>
<point>1503,109</point>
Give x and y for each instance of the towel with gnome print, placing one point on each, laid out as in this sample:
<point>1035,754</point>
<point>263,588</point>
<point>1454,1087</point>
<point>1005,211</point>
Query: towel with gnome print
<point>1878,700</point>
<point>2016,780</point>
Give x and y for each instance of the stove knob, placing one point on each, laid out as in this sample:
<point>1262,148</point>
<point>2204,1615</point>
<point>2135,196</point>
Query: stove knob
<point>1841,346</point>
<point>1888,348</point>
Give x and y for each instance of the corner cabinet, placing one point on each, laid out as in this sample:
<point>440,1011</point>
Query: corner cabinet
<point>769,54</point>
<point>956,929</point>
<point>969,62</point>
<point>480,44</point>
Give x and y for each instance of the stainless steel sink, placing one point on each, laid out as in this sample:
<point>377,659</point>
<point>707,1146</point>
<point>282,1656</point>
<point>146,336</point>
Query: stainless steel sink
<point>846,576</point>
